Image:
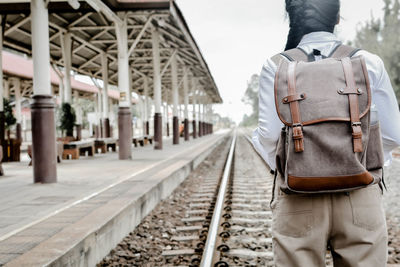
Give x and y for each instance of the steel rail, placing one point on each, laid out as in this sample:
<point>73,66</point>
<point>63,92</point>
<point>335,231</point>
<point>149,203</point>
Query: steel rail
<point>209,249</point>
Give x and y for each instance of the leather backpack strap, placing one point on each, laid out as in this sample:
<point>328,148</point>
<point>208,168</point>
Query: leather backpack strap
<point>295,54</point>
<point>295,110</point>
<point>352,93</point>
<point>277,59</point>
<point>342,51</point>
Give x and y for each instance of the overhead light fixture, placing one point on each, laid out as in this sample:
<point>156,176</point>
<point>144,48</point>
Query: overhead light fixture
<point>74,4</point>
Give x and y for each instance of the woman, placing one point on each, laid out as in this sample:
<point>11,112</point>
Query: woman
<point>351,225</point>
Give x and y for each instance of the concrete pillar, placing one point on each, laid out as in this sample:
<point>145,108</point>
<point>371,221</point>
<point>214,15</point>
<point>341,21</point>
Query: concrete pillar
<point>66,46</point>
<point>42,108</point>
<point>208,119</point>
<point>146,106</point>
<point>124,113</point>
<point>166,115</point>
<point>2,120</point>
<point>194,99</point>
<point>157,89</point>
<point>199,113</point>
<point>104,71</point>
<point>186,103</point>
<point>78,113</point>
<point>175,100</point>
<point>99,114</point>
<point>142,113</point>
<point>18,108</point>
<point>6,89</point>
<point>205,118</point>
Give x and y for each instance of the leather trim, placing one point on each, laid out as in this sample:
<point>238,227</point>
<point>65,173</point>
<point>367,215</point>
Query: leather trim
<point>295,109</point>
<point>353,104</point>
<point>296,97</point>
<point>315,184</point>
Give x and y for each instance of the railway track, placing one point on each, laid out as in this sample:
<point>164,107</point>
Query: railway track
<point>229,219</point>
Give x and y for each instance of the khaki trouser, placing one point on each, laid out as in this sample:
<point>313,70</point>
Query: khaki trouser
<point>351,224</point>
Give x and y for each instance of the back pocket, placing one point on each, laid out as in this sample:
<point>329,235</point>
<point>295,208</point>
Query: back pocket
<point>293,216</point>
<point>366,205</point>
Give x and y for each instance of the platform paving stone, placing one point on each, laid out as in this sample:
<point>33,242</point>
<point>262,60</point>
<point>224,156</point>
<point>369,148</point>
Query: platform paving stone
<point>32,215</point>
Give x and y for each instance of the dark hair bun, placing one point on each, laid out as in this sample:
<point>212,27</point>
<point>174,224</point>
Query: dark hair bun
<point>308,16</point>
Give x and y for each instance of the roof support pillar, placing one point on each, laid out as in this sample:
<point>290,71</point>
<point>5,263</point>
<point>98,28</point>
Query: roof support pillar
<point>42,108</point>
<point>66,45</point>
<point>186,103</point>
<point>194,107</point>
<point>199,115</point>
<point>17,91</point>
<point>142,106</point>
<point>18,108</point>
<point>6,92</point>
<point>175,99</point>
<point>146,106</point>
<point>157,89</point>
<point>106,120</point>
<point>124,113</point>
<point>78,112</point>
<point>204,118</point>
<point>1,65</point>
<point>99,114</point>
<point>2,119</point>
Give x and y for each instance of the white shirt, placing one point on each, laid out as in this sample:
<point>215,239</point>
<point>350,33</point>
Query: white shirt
<point>266,136</point>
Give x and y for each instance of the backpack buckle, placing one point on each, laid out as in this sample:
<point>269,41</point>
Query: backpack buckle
<point>298,137</point>
<point>297,125</point>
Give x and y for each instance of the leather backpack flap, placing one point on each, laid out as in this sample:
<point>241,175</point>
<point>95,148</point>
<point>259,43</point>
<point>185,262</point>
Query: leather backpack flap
<point>321,91</point>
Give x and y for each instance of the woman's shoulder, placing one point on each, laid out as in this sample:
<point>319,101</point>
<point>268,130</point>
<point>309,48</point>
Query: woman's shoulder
<point>271,63</point>
<point>370,58</point>
<point>374,64</point>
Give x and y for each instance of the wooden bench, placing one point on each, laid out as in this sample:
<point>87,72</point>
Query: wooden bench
<point>104,144</point>
<point>138,140</point>
<point>77,148</point>
<point>148,139</point>
<point>1,159</point>
<point>59,147</point>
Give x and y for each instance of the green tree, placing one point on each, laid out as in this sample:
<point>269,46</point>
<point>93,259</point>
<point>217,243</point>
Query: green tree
<point>251,98</point>
<point>10,120</point>
<point>68,118</point>
<point>382,37</point>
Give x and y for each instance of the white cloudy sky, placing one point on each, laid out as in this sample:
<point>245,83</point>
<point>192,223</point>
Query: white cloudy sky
<point>237,36</point>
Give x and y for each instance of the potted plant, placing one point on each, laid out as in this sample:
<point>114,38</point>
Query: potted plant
<point>9,118</point>
<point>11,147</point>
<point>67,120</point>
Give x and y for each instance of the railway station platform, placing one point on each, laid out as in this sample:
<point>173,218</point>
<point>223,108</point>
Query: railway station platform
<point>95,203</point>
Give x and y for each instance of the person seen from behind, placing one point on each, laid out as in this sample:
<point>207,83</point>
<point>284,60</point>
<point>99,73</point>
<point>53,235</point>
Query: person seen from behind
<point>328,122</point>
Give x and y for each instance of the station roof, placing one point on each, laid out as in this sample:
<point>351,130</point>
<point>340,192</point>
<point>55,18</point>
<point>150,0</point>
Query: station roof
<point>20,67</point>
<point>93,34</point>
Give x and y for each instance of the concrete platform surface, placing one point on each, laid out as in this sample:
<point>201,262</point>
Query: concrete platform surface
<point>95,203</point>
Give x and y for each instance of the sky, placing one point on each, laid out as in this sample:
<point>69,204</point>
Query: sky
<point>237,36</point>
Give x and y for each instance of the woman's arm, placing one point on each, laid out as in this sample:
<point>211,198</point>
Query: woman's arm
<point>266,136</point>
<point>385,102</point>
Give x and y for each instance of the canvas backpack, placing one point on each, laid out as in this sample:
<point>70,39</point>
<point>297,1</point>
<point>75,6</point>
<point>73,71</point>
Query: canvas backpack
<point>328,143</point>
